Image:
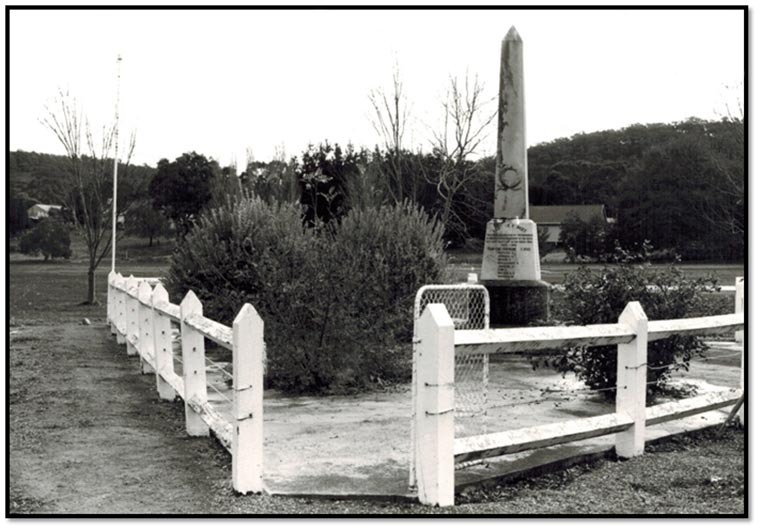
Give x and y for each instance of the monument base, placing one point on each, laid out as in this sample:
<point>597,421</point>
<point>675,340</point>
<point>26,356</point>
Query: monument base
<point>512,274</point>
<point>517,302</point>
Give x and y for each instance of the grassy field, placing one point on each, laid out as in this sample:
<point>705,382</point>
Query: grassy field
<point>87,434</point>
<point>461,263</point>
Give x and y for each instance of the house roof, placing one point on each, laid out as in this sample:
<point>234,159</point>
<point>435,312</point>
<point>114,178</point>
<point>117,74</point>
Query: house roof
<point>557,214</point>
<point>46,207</point>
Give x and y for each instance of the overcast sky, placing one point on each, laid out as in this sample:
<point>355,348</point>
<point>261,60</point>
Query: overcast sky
<point>221,82</point>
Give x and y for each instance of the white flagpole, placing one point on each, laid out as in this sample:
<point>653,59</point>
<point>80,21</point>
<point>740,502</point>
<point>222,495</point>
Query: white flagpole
<point>115,167</point>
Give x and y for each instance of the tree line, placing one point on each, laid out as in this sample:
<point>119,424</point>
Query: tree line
<point>681,186</point>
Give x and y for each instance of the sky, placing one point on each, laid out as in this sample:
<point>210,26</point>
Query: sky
<point>224,83</point>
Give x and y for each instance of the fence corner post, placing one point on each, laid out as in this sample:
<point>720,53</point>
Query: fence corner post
<point>631,395</point>
<point>248,401</point>
<point>132,323</point>
<point>162,345</point>
<point>145,346</point>
<point>193,367</point>
<point>434,408</point>
<point>739,336</point>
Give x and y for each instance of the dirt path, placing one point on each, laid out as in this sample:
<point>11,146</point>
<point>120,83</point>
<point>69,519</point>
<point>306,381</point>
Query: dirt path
<point>88,435</point>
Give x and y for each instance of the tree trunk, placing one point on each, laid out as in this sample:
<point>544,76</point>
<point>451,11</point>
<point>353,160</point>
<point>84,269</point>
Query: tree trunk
<point>150,241</point>
<point>91,285</point>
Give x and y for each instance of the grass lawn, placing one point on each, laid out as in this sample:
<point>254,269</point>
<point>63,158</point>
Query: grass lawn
<point>133,456</point>
<point>460,263</point>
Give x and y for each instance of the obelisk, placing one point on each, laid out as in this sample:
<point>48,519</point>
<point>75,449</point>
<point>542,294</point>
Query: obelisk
<point>511,268</point>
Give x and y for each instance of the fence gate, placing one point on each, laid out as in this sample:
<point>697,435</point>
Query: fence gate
<point>469,307</point>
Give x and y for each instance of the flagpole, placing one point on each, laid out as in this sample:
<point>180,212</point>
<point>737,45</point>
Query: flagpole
<point>115,167</point>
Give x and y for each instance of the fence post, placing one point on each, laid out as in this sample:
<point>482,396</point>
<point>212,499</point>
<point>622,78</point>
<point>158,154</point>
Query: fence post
<point>162,345</point>
<point>133,327</point>
<point>145,322</point>
<point>120,309</point>
<point>111,302</point>
<point>739,303</point>
<point>739,335</point>
<point>631,395</point>
<point>415,361</point>
<point>434,408</point>
<point>248,401</point>
<point>193,366</point>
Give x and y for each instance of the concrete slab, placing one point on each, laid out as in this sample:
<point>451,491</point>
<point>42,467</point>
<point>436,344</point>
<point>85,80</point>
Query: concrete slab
<point>359,446</point>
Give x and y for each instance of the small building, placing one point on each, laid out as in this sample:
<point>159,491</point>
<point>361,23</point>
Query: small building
<point>552,217</point>
<point>41,211</point>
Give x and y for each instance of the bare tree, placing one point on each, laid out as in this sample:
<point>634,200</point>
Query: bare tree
<point>725,203</point>
<point>86,190</point>
<point>390,119</point>
<point>467,114</point>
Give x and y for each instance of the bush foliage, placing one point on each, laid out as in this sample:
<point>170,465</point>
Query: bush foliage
<point>599,296</point>
<point>181,189</point>
<point>50,237</point>
<point>336,300</point>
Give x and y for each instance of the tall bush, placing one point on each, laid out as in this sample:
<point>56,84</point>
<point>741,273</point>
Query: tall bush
<point>336,300</point>
<point>50,237</point>
<point>599,296</point>
<point>383,256</point>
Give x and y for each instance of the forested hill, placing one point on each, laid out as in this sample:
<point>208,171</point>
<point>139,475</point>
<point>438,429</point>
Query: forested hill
<point>27,171</point>
<point>593,167</point>
<point>36,177</point>
<point>680,185</point>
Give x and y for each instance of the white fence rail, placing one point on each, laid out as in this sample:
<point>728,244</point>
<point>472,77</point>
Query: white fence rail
<point>140,315</point>
<point>437,451</point>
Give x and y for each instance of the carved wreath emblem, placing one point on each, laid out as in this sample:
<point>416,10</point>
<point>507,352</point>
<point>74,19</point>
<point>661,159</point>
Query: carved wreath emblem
<point>508,179</point>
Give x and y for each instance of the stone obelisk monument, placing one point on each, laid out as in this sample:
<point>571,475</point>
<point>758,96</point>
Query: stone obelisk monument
<point>511,268</point>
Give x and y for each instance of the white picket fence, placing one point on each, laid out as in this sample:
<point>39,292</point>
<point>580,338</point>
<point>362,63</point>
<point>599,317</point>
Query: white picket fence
<point>437,451</point>
<point>140,315</point>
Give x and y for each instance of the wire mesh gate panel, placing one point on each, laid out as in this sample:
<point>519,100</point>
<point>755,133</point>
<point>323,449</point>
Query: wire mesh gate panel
<point>468,306</point>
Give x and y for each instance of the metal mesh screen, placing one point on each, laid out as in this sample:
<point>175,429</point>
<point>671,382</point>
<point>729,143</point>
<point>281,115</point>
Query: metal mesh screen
<point>468,306</point>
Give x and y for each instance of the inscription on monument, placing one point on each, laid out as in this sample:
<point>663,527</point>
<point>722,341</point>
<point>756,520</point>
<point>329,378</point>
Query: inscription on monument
<point>507,247</point>
<point>510,252</point>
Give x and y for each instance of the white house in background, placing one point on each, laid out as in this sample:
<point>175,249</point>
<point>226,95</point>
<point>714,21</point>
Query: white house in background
<point>552,217</point>
<point>40,211</point>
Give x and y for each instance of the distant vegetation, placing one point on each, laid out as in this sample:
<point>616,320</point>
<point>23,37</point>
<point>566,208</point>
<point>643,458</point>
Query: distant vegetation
<point>50,237</point>
<point>679,186</point>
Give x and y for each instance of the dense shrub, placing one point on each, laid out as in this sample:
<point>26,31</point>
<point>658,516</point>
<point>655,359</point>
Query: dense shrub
<point>336,300</point>
<point>384,254</point>
<point>50,237</point>
<point>600,296</point>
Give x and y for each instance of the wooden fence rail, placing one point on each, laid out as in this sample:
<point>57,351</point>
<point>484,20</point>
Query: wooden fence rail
<point>140,315</point>
<point>437,451</point>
